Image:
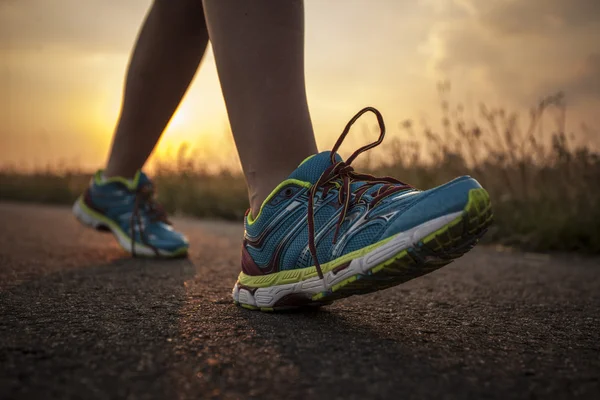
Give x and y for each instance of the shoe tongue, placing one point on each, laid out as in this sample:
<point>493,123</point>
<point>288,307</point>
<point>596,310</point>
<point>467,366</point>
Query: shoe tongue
<point>311,169</point>
<point>141,179</point>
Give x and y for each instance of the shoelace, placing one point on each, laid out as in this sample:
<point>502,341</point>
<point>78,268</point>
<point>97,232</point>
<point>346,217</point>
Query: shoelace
<point>144,197</point>
<point>344,172</point>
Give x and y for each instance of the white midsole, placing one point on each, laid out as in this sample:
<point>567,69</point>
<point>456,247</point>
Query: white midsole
<point>124,241</point>
<point>269,296</point>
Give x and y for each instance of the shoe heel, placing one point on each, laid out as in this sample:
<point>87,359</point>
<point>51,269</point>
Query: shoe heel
<point>87,219</point>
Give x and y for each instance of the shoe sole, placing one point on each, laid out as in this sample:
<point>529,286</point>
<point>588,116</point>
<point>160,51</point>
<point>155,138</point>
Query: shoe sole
<point>99,222</point>
<point>408,255</point>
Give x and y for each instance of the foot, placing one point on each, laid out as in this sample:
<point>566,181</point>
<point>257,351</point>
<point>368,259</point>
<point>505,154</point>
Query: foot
<point>328,232</point>
<point>128,209</point>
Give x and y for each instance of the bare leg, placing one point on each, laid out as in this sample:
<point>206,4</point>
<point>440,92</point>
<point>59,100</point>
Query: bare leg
<point>259,52</point>
<point>169,48</point>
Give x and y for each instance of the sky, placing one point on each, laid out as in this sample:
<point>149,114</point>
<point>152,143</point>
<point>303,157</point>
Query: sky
<point>62,65</point>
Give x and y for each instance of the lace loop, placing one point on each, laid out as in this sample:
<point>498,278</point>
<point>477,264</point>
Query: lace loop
<point>344,172</point>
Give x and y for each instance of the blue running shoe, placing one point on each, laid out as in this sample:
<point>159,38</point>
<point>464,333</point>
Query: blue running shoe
<point>128,209</point>
<point>328,232</point>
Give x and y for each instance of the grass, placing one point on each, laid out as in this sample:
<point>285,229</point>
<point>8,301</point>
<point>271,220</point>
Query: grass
<point>545,188</point>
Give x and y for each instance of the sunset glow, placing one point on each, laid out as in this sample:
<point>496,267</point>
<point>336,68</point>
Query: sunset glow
<point>62,65</point>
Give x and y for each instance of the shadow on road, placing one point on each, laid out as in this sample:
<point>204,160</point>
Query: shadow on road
<point>147,329</point>
<point>103,331</point>
<point>336,350</point>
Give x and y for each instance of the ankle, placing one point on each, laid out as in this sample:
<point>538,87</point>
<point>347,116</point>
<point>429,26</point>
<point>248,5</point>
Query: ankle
<point>262,181</point>
<point>260,191</point>
<point>257,198</point>
<point>112,172</point>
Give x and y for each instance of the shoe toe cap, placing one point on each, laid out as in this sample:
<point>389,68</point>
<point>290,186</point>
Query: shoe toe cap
<point>165,238</point>
<point>430,204</point>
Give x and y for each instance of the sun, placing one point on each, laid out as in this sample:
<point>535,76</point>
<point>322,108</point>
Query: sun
<point>180,119</point>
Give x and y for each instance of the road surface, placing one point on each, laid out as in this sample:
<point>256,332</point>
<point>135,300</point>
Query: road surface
<point>79,320</point>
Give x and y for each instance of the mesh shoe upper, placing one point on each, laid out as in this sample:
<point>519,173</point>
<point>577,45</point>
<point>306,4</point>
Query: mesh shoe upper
<point>363,210</point>
<point>130,204</point>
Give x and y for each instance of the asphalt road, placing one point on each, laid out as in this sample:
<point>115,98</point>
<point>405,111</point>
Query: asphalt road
<point>80,320</point>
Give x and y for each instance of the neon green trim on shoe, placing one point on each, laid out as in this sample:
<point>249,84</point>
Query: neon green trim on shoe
<point>302,274</point>
<point>130,183</point>
<point>101,217</point>
<point>173,254</point>
<point>251,220</point>
<point>306,159</point>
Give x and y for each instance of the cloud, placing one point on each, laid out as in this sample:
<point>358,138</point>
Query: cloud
<point>90,25</point>
<point>586,80</point>
<point>539,17</point>
<point>519,50</point>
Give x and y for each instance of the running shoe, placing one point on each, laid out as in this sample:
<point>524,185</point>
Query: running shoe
<point>128,209</point>
<point>328,232</point>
